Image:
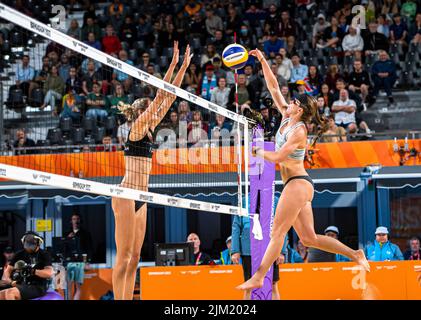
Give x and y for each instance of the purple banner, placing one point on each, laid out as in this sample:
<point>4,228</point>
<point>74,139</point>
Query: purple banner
<point>262,178</point>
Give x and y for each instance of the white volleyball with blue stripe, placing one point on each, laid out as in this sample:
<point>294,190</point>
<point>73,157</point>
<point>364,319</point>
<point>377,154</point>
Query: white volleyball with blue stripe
<point>235,56</point>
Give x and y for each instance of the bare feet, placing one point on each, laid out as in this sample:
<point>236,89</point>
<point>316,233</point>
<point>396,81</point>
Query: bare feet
<point>251,284</point>
<point>362,260</point>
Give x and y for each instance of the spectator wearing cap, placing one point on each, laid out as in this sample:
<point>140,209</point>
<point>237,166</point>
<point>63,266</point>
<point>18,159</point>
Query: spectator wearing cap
<point>301,87</point>
<point>353,43</point>
<point>220,94</point>
<point>398,31</point>
<point>384,75</point>
<point>272,45</point>
<point>319,28</point>
<point>226,254</point>
<point>6,258</point>
<point>333,232</point>
<point>383,249</point>
<point>414,251</point>
<point>209,82</point>
<point>299,71</point>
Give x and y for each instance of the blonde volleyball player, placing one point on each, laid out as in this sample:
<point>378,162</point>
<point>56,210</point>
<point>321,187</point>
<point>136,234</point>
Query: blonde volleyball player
<point>294,206</point>
<point>130,216</point>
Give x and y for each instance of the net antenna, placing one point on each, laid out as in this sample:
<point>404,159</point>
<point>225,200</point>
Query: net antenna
<point>9,170</point>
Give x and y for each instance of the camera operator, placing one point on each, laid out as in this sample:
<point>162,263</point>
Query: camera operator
<point>27,274</point>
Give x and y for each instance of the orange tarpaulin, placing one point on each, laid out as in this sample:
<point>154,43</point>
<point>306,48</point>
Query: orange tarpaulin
<point>210,160</point>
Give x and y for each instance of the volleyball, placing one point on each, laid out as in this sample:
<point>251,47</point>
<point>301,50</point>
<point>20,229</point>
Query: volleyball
<point>235,56</point>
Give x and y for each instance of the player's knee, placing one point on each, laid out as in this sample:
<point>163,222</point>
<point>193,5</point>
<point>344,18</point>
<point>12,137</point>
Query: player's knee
<point>308,240</point>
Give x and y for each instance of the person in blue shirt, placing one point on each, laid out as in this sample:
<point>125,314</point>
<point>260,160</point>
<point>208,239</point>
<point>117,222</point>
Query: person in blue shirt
<point>383,249</point>
<point>333,231</point>
<point>398,31</point>
<point>289,254</point>
<point>221,128</point>
<point>383,74</point>
<point>299,71</point>
<point>271,47</point>
<point>24,75</point>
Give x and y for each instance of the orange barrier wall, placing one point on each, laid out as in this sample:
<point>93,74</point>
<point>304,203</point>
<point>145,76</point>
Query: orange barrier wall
<point>328,155</point>
<point>308,281</point>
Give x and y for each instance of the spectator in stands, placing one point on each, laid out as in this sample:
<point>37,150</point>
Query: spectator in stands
<point>383,249</point>
<point>107,145</point>
<point>220,94</point>
<point>343,24</point>
<point>112,102</point>
<point>144,29</point>
<point>5,260</point>
<point>92,41</point>
<point>286,93</point>
<point>212,22</point>
<point>353,43</point>
<point>338,134</point>
<point>245,38</point>
<point>220,128</point>
<point>197,129</point>
<point>344,110</point>
<point>40,75</point>
<point>219,42</point>
<point>200,258</point>
<point>390,7</point>
<point>90,26</point>
<point>271,47</point>
<point>332,75</point>
<point>302,250</point>
<point>272,19</point>
<point>299,71</point>
<point>209,55</point>
<point>226,254</point>
<point>198,28</point>
<point>95,104</point>
<point>173,123</point>
<point>116,12</point>
<point>359,80</point>
<point>146,62</point>
<point>233,22</point>
<point>128,32</point>
<point>314,81</point>
<point>254,81</point>
<point>245,95</point>
<point>253,15</point>
<point>71,107</point>
<point>192,7</point>
<point>319,29</point>
<point>209,82</point>
<point>281,81</point>
<point>414,251</point>
<point>193,79</point>
<point>287,30</point>
<point>74,83</point>
<point>383,25</point>
<point>24,75</point>
<point>398,31</point>
<point>110,42</point>
<point>374,41</point>
<point>90,12</point>
<point>289,254</point>
<point>184,113</point>
<point>53,89</point>
<point>74,30</point>
<point>383,74</point>
<point>90,77</point>
<point>22,141</point>
<point>322,107</point>
<point>64,67</point>
<point>121,77</point>
<point>327,95</point>
<point>333,232</point>
<point>332,35</point>
<point>217,70</point>
<point>415,31</point>
<point>284,67</point>
<point>409,10</point>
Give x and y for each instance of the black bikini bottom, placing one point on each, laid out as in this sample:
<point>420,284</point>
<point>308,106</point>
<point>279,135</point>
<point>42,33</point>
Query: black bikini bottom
<point>300,177</point>
<point>138,205</point>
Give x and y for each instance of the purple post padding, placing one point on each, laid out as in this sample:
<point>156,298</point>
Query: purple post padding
<point>50,295</point>
<point>262,180</point>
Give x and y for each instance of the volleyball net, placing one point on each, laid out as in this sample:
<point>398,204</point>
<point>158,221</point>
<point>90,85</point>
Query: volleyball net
<point>68,110</point>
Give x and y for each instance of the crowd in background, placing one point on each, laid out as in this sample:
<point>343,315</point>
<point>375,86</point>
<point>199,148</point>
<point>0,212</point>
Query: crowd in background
<point>312,46</point>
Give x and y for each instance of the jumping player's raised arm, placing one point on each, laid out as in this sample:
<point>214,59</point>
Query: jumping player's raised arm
<point>162,103</point>
<point>271,82</point>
